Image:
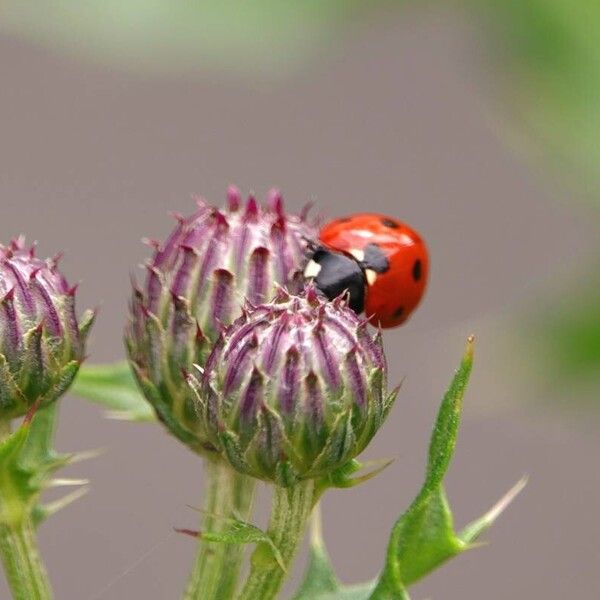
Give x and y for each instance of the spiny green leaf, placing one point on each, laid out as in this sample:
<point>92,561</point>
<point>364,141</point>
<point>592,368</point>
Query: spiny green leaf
<point>368,470</point>
<point>42,511</point>
<point>239,532</point>
<point>113,386</point>
<point>445,432</point>
<point>347,476</point>
<point>474,530</point>
<point>27,463</point>
<point>424,537</point>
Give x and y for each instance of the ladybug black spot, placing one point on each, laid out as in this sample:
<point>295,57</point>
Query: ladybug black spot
<point>416,270</point>
<point>389,223</point>
<point>398,312</point>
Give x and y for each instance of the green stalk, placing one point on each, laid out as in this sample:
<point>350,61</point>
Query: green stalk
<point>217,566</point>
<point>291,509</point>
<point>19,551</point>
<point>23,565</point>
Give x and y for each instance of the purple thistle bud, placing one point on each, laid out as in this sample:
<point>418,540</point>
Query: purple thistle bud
<point>214,263</point>
<point>42,343</point>
<point>297,388</point>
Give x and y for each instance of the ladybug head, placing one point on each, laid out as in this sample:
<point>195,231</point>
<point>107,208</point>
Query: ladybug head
<point>335,273</point>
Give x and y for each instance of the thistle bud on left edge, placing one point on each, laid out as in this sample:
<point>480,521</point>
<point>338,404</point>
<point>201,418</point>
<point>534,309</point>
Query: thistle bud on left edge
<point>294,389</point>
<point>42,343</point>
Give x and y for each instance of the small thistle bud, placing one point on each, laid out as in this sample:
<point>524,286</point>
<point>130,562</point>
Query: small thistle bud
<point>197,282</point>
<point>294,389</point>
<point>42,343</point>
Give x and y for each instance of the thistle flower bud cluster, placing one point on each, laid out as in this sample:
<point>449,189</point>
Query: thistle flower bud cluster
<point>42,344</point>
<point>197,281</point>
<point>294,388</point>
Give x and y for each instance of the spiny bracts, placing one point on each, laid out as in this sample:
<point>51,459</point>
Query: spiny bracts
<point>42,343</point>
<point>294,389</point>
<point>197,281</point>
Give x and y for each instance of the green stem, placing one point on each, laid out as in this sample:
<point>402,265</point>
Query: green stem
<point>217,566</point>
<point>23,565</point>
<point>23,460</point>
<point>291,509</point>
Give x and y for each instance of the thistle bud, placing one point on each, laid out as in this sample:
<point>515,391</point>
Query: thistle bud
<point>294,389</point>
<point>196,284</point>
<point>42,343</point>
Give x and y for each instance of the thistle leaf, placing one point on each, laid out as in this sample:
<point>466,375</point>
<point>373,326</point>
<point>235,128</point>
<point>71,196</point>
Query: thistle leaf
<point>424,537</point>
<point>27,464</point>
<point>239,532</point>
<point>367,471</point>
<point>353,473</point>
<point>474,530</point>
<point>42,511</point>
<point>113,387</point>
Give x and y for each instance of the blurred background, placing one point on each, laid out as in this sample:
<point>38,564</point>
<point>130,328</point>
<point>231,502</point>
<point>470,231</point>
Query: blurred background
<point>478,122</point>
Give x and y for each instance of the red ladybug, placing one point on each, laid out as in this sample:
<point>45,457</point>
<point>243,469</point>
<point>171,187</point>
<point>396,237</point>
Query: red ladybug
<point>381,262</point>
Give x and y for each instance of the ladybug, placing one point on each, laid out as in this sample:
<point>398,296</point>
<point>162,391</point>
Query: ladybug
<point>381,263</point>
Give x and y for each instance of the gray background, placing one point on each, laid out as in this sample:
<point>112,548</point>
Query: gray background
<point>396,120</point>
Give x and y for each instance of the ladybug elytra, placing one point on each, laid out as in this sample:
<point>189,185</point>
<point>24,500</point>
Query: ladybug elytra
<point>381,263</point>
